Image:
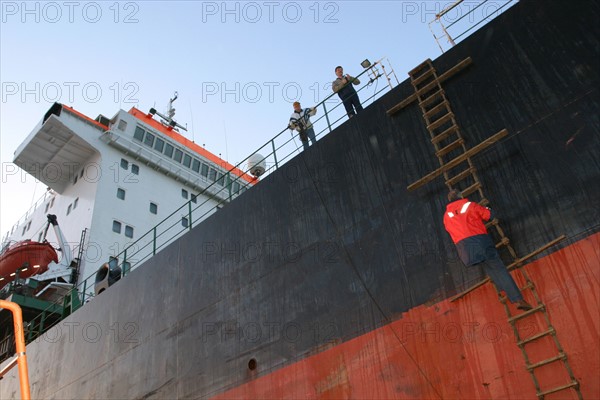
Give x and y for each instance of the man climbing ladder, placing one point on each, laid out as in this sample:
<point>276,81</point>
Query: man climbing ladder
<point>464,221</point>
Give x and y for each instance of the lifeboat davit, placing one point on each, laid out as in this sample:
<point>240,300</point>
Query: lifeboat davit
<point>29,257</point>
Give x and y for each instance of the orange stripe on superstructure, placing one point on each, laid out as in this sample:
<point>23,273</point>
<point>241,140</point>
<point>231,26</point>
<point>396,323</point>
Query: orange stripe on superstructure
<point>149,120</point>
<point>85,117</point>
<point>462,350</point>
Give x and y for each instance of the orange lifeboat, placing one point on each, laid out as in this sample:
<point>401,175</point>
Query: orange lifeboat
<point>28,257</point>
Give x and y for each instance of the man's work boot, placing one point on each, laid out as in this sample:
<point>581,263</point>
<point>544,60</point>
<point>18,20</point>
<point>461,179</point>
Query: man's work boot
<point>523,305</point>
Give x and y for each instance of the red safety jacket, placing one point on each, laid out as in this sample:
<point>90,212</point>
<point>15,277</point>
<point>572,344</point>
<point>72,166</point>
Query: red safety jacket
<point>464,219</point>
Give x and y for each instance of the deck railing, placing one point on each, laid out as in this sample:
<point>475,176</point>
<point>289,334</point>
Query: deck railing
<point>455,21</point>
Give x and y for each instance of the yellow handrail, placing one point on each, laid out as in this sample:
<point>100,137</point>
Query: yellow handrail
<point>20,343</point>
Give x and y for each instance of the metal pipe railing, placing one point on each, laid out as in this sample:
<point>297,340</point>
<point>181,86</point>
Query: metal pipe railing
<point>462,14</point>
<point>21,356</point>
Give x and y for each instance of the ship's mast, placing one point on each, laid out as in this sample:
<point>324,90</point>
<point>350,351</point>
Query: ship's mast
<point>169,118</point>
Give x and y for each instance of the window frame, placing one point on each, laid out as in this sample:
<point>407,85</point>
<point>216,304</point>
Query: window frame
<point>115,224</point>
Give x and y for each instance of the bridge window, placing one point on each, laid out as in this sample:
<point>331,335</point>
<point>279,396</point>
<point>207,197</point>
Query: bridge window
<point>187,160</point>
<point>178,155</point>
<point>124,163</point>
<point>149,139</point>
<point>129,231</point>
<point>212,175</point>
<point>116,227</point>
<point>168,150</point>
<point>135,169</point>
<point>159,144</point>
<point>120,194</point>
<point>153,208</point>
<point>139,134</point>
<point>196,165</point>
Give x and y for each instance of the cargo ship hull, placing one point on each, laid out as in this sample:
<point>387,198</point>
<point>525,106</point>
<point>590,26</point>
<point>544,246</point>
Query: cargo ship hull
<point>331,280</point>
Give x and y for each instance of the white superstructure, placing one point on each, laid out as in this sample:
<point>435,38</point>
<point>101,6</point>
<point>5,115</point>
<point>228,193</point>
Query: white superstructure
<point>118,179</point>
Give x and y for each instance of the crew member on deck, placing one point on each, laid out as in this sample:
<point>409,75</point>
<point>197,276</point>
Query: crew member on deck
<point>464,221</point>
<point>300,121</point>
<point>343,87</point>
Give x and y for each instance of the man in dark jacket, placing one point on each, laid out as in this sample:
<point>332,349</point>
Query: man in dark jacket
<point>464,221</point>
<point>343,87</point>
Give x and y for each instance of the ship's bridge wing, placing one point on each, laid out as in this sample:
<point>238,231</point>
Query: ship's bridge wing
<point>53,153</point>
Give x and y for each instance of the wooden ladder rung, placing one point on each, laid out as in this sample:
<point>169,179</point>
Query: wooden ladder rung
<point>492,223</point>
<point>560,356</point>
<point>426,63</point>
<point>459,177</point>
<point>523,342</point>
<point>573,384</point>
<point>425,102</point>
<point>452,146</point>
<point>526,313</point>
<point>437,109</point>
<point>422,77</point>
<point>503,242</point>
<point>445,134</point>
<point>484,202</point>
<point>528,286</point>
<point>471,189</point>
<point>427,88</point>
<point>440,121</point>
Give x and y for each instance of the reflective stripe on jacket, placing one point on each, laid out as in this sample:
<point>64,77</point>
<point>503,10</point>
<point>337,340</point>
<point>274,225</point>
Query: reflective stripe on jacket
<point>464,219</point>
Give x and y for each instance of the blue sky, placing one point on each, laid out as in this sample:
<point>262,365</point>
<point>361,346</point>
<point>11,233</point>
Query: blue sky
<point>229,61</point>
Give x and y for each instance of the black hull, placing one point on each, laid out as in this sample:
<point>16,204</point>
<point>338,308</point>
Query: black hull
<point>332,245</point>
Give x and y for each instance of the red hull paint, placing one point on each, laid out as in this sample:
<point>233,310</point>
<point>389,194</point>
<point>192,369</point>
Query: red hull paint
<point>34,253</point>
<point>461,350</point>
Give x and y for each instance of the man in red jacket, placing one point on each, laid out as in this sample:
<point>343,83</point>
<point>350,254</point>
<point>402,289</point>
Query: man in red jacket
<point>464,221</point>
